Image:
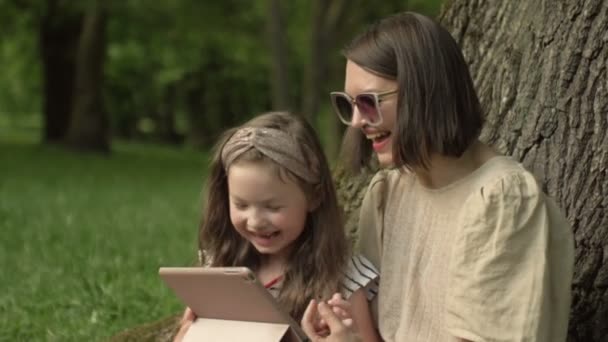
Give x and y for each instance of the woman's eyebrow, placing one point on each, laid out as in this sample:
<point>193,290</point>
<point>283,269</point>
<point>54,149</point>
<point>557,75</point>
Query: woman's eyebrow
<point>365,91</point>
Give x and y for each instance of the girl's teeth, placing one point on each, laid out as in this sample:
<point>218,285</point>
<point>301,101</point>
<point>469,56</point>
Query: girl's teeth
<point>268,236</point>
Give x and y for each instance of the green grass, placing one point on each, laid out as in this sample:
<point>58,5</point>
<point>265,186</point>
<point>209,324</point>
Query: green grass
<point>82,237</point>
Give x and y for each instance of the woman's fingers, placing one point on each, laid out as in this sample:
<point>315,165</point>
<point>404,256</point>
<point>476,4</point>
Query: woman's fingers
<point>340,312</point>
<point>331,319</point>
<point>337,301</point>
<point>309,320</point>
<point>340,306</point>
<point>337,330</point>
<point>349,323</point>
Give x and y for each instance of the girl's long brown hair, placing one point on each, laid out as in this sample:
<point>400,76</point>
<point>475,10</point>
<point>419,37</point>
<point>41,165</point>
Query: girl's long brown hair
<point>316,263</point>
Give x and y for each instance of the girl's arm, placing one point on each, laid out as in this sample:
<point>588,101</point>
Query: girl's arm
<point>362,317</point>
<point>185,324</point>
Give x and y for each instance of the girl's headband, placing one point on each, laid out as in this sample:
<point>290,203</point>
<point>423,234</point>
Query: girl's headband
<point>277,145</point>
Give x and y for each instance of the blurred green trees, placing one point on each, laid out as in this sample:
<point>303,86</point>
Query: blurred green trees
<point>175,71</point>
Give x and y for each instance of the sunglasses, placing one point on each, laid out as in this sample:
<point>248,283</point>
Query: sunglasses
<point>368,105</point>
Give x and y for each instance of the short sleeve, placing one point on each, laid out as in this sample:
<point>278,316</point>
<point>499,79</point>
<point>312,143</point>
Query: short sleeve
<point>369,242</point>
<point>500,279</point>
<point>360,273</point>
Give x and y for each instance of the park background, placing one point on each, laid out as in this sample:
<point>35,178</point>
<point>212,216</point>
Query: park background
<point>108,111</point>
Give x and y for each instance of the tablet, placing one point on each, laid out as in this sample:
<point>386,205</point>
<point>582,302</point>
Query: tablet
<point>226,293</point>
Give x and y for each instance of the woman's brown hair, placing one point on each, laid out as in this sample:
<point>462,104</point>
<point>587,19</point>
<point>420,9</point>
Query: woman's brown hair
<point>316,263</point>
<point>438,110</point>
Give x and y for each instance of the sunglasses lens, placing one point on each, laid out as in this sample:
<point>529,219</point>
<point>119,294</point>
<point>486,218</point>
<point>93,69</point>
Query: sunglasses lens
<point>344,108</point>
<point>367,106</point>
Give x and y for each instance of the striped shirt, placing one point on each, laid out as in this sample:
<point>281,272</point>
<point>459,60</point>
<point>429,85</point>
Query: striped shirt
<point>359,273</point>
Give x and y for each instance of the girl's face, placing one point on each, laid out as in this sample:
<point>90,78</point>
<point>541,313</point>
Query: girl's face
<point>359,80</point>
<point>268,210</point>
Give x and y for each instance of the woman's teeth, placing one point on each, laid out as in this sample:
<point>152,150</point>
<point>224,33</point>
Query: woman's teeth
<point>378,136</point>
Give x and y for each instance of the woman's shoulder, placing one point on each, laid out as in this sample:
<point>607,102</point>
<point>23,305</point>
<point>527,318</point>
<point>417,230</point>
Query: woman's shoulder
<point>506,178</point>
<point>510,189</point>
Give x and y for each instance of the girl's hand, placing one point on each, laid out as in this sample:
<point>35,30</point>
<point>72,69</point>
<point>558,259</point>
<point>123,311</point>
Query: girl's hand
<point>338,330</point>
<point>185,324</point>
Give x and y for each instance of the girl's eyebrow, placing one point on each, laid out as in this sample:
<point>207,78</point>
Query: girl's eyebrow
<point>265,201</point>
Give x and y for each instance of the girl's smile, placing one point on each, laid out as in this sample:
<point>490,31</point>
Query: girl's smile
<point>263,240</point>
<point>266,209</point>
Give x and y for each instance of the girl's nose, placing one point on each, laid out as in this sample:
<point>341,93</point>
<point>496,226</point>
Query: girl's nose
<point>256,221</point>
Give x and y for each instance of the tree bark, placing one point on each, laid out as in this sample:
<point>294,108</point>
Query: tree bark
<point>281,99</point>
<point>326,17</point>
<point>165,118</point>
<point>58,35</point>
<point>540,70</point>
<point>89,127</point>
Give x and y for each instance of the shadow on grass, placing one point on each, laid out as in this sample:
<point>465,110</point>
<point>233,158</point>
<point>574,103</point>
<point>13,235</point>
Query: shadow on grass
<point>160,331</point>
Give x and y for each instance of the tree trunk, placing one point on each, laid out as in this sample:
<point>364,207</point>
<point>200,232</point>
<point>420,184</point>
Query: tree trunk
<point>281,99</point>
<point>165,118</point>
<point>540,70</point>
<point>89,128</point>
<point>327,16</point>
<point>313,75</point>
<point>58,41</point>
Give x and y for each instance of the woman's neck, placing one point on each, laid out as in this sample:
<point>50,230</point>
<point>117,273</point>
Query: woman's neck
<point>445,170</point>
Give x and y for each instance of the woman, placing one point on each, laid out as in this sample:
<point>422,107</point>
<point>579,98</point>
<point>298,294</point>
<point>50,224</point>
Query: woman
<point>468,246</point>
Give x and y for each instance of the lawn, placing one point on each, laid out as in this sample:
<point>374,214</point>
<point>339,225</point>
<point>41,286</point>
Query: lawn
<point>82,237</point>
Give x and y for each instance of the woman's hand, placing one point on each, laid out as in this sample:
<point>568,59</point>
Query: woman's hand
<point>339,330</point>
<point>343,309</point>
<point>185,324</point>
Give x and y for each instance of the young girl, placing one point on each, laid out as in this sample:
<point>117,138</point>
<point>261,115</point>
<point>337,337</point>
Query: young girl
<point>271,206</point>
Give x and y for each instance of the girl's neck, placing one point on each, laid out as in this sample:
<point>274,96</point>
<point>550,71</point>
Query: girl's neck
<point>271,267</point>
<point>445,170</point>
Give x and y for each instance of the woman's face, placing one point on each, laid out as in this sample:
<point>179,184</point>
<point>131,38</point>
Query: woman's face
<point>359,80</point>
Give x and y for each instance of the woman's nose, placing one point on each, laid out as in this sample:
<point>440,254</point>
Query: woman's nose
<point>358,121</point>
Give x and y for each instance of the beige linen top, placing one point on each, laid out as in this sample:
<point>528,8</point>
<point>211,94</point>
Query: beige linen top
<point>487,258</point>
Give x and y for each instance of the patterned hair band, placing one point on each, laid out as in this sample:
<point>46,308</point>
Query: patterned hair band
<point>275,144</point>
